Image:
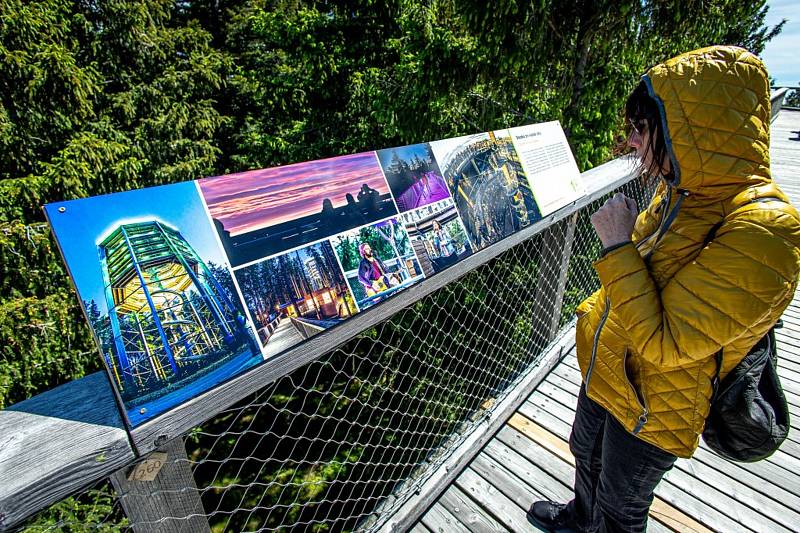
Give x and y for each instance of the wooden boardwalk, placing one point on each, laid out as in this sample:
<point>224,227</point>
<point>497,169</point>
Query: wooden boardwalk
<point>529,459</point>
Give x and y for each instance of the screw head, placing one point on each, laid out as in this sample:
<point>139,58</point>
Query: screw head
<point>62,209</point>
<point>143,410</point>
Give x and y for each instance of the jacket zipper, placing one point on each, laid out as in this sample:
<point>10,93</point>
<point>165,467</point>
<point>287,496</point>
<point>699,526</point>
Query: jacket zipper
<point>642,420</point>
<point>664,208</point>
<point>595,341</point>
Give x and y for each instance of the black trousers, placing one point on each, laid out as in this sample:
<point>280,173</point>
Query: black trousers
<point>615,472</point>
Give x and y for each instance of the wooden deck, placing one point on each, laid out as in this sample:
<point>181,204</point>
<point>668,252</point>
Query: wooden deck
<point>529,459</point>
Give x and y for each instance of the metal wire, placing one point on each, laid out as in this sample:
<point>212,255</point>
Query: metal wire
<point>341,443</point>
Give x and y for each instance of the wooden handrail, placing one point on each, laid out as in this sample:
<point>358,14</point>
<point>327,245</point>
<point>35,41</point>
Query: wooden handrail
<point>776,100</point>
<point>61,441</point>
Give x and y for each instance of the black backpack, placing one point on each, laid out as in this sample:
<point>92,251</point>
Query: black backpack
<point>749,417</point>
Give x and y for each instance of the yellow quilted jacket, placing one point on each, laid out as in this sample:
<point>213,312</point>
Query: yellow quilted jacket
<point>646,341</point>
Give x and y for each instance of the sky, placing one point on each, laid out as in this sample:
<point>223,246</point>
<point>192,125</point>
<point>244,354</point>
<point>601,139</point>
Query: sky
<point>782,54</point>
<point>257,199</point>
<point>79,228</point>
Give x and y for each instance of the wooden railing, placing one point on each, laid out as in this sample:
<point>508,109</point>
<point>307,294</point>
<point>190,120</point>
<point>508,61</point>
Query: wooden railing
<point>777,97</point>
<point>59,442</point>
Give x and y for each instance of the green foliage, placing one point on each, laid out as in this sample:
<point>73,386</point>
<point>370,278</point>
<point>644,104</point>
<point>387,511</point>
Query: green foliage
<point>383,241</point>
<point>95,507</point>
<point>53,339</point>
<point>792,99</point>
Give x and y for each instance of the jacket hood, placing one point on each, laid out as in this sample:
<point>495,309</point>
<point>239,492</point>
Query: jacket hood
<point>715,110</point>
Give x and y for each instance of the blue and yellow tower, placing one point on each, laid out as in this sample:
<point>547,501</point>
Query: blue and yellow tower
<point>169,315</point>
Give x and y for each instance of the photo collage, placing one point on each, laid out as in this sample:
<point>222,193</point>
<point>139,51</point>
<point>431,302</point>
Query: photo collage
<point>188,285</point>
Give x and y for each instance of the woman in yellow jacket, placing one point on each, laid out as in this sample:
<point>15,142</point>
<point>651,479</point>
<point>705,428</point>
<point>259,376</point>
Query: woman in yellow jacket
<point>647,340</point>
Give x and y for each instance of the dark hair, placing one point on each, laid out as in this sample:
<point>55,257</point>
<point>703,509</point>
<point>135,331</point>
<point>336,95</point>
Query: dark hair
<point>641,108</point>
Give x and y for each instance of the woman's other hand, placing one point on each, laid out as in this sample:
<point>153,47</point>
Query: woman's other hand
<point>615,220</point>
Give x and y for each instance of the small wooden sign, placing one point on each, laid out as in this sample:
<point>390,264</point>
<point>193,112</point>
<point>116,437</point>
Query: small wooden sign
<point>148,469</point>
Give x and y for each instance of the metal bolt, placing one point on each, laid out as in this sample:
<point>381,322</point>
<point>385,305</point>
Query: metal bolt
<point>161,440</point>
<point>62,209</point>
<point>143,410</point>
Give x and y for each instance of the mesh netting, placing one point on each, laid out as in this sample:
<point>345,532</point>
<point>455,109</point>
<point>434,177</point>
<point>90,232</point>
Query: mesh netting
<point>340,443</point>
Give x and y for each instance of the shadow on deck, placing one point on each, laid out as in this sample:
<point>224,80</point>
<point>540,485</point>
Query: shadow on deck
<point>529,459</point>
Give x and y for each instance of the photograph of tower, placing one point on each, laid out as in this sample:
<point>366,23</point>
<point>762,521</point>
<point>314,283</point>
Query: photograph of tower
<point>295,295</point>
<point>437,236</point>
<point>413,176</point>
<point>158,294</point>
<point>260,213</point>
<point>378,261</point>
<point>488,184</point>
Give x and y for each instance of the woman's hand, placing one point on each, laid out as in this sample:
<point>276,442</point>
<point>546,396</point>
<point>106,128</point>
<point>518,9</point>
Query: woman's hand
<point>615,220</point>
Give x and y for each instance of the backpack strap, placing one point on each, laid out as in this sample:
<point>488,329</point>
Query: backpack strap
<point>713,231</point>
<point>710,237</point>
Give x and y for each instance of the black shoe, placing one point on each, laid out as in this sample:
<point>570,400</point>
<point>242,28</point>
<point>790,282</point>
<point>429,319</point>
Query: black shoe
<point>550,516</point>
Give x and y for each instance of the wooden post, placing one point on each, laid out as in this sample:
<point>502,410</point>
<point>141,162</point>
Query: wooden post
<point>55,444</point>
<point>159,494</point>
<point>552,280</point>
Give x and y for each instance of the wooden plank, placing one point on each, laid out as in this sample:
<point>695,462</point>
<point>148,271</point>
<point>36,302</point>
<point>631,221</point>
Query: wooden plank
<point>788,351</point>
<point>770,487</point>
<point>545,419</point>
<point>504,480</point>
<point>784,460</point>
<point>792,365</point>
<point>439,520</point>
<point>791,318</point>
<point>787,373</point>
<point>468,512</point>
<point>707,513</point>
<point>532,479</point>
<point>660,510</point>
<point>57,443</point>
<point>169,503</point>
<point>787,341</point>
<point>789,336</point>
<point>561,473</point>
<point>420,528</point>
<point>785,363</point>
<point>508,513</point>
<point>769,472</point>
<point>742,493</point>
<point>147,437</point>
<point>557,378</point>
<point>791,312</point>
<point>553,407</point>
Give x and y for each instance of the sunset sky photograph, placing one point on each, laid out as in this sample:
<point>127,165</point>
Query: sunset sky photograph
<point>257,199</point>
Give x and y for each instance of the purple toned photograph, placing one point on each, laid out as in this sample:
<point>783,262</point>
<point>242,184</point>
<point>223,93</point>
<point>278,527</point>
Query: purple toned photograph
<point>263,212</point>
<point>413,176</point>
